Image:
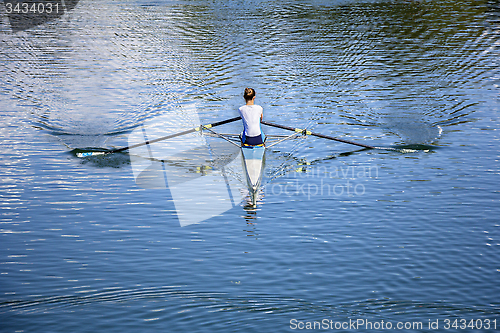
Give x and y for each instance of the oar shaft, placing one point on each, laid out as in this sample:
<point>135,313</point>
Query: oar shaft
<point>222,122</point>
<point>316,134</point>
<point>199,128</point>
<point>152,141</point>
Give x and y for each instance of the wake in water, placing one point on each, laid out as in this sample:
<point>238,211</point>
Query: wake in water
<point>411,148</point>
<point>414,131</point>
<point>171,298</point>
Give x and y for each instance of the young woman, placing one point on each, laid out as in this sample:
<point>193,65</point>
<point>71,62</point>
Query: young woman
<point>251,114</point>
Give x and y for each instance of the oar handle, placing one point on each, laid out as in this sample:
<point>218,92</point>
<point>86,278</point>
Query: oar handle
<point>306,132</point>
<point>222,122</point>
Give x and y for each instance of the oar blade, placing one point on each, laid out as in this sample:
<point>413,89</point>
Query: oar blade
<point>90,153</point>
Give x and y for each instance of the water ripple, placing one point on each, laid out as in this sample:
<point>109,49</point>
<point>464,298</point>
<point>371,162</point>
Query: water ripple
<point>336,62</point>
<point>174,299</point>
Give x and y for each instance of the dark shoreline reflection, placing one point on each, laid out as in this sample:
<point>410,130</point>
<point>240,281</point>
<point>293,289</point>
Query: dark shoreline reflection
<point>27,14</point>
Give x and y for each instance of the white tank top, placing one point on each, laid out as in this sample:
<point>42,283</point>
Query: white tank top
<point>250,114</point>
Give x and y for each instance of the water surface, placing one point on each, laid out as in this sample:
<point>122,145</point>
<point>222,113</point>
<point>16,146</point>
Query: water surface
<point>339,233</point>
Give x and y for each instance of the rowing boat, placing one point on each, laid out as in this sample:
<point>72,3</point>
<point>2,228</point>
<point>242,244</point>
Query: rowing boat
<point>252,156</point>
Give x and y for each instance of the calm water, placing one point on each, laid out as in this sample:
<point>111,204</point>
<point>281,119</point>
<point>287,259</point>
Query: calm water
<point>339,233</point>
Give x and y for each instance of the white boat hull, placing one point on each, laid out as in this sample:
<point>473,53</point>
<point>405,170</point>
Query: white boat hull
<point>253,164</point>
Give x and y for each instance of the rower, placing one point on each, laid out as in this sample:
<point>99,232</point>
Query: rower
<point>251,114</point>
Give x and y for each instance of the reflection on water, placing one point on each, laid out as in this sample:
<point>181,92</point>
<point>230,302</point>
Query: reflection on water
<point>194,172</point>
<point>23,15</point>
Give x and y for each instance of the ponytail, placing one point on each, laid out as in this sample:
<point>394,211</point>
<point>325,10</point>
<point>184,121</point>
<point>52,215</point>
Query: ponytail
<point>249,94</point>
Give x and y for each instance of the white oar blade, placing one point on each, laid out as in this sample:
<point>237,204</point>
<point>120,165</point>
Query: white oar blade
<point>90,153</point>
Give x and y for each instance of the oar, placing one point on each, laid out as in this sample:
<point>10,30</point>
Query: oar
<point>196,129</point>
<point>306,132</point>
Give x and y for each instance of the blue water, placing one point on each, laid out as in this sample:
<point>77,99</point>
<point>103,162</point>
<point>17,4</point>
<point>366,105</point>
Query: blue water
<point>408,235</point>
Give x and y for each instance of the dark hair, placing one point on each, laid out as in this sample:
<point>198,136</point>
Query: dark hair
<point>249,94</point>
